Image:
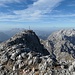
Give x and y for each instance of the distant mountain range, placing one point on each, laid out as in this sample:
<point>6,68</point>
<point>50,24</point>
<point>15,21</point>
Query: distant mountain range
<point>42,34</point>
<point>13,31</point>
<point>3,36</point>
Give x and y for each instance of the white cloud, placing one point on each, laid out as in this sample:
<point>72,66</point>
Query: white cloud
<point>4,2</point>
<point>63,16</point>
<point>35,11</point>
<point>38,9</point>
<point>10,1</point>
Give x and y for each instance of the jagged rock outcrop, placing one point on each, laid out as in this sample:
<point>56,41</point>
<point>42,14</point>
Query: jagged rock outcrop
<point>26,40</point>
<point>61,44</point>
<point>23,54</point>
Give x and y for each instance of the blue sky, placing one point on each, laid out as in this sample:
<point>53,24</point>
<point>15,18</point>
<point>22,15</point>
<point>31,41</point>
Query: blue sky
<point>37,13</point>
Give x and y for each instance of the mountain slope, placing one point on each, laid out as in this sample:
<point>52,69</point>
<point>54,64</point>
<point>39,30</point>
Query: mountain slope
<point>23,54</point>
<point>61,44</point>
<point>27,39</point>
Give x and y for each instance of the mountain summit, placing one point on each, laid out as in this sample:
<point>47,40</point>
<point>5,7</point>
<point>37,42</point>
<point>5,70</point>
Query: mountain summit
<point>27,40</point>
<point>23,54</point>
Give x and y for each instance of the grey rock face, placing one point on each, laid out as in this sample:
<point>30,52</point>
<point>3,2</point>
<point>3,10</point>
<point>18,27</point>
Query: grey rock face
<point>4,59</point>
<point>14,73</point>
<point>61,44</point>
<point>23,54</point>
<point>27,40</point>
<point>1,67</point>
<point>30,62</point>
<point>13,56</point>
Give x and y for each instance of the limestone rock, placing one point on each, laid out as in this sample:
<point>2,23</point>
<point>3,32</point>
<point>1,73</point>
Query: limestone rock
<point>61,44</point>
<point>23,54</point>
<point>4,59</point>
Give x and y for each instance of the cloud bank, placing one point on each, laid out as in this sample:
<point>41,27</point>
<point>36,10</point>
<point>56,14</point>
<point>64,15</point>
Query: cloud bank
<point>39,9</point>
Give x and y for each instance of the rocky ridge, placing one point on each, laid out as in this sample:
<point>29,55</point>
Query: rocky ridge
<point>62,44</point>
<point>23,54</point>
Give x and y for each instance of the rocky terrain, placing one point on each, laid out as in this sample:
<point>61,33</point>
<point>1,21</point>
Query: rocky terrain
<point>62,44</point>
<point>23,54</point>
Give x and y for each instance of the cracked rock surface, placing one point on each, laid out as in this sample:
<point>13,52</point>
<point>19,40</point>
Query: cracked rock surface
<point>23,54</point>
